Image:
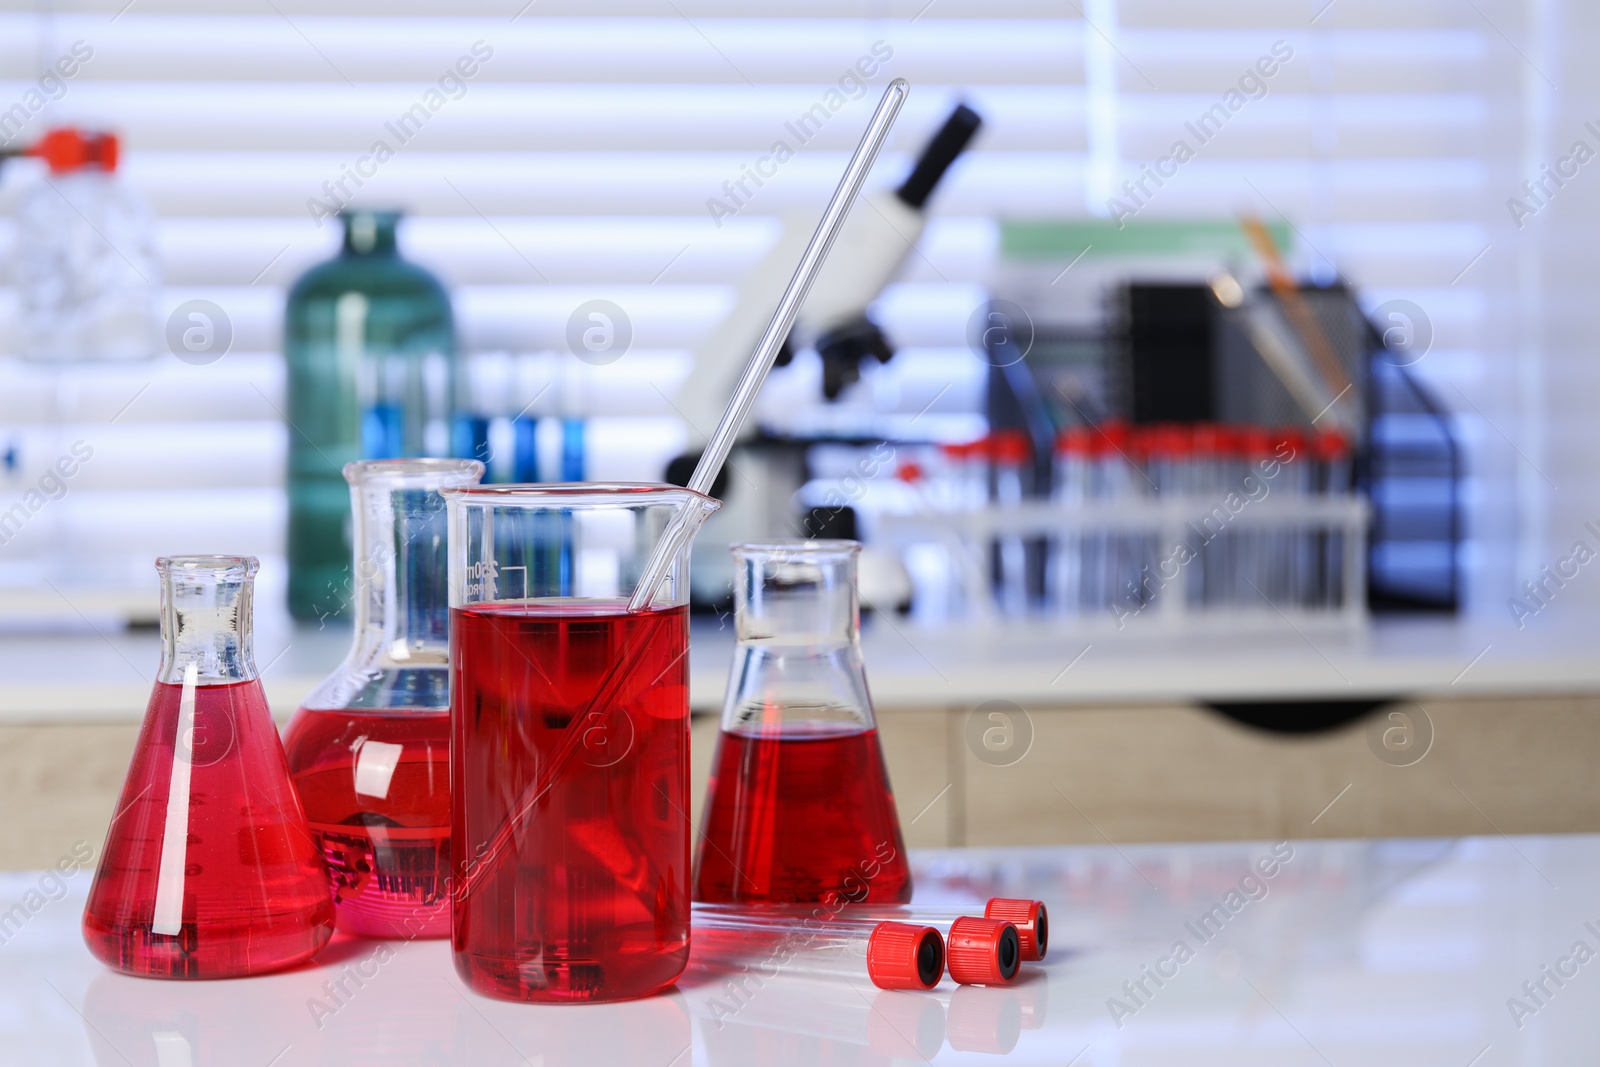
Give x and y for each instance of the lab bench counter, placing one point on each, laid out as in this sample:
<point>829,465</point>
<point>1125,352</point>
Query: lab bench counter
<point>103,676</point>
<point>1473,951</point>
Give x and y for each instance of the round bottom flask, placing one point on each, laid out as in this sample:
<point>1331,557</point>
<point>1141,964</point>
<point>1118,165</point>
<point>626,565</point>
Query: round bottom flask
<point>370,748</point>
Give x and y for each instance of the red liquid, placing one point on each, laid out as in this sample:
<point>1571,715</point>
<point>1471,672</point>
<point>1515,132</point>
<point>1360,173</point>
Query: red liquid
<point>588,898</point>
<point>250,885</point>
<point>801,817</point>
<point>376,790</point>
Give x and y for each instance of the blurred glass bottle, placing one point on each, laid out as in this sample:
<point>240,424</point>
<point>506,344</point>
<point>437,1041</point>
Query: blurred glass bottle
<point>87,273</point>
<point>370,344</point>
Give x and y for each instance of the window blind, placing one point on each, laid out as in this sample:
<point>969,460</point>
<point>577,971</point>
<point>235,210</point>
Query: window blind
<point>578,158</point>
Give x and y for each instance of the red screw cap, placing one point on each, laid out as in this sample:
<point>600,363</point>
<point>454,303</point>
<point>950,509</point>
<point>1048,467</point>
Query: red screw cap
<point>1031,920</point>
<point>1113,435</point>
<point>905,956</point>
<point>1210,441</point>
<point>1165,440</point>
<point>1075,441</point>
<point>1292,436</point>
<point>1009,446</point>
<point>1330,445</point>
<point>983,951</point>
<point>68,150</point>
<point>1254,442</point>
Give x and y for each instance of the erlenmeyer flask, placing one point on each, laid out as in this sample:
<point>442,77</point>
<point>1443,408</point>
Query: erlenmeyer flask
<point>370,747</point>
<point>208,869</point>
<point>799,806</point>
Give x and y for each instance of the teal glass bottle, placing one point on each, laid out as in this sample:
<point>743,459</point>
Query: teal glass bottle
<point>370,345</point>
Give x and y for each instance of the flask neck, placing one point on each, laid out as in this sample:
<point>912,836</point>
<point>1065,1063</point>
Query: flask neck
<point>401,588</point>
<point>369,233</point>
<point>797,667</point>
<point>797,594</point>
<point>206,618</point>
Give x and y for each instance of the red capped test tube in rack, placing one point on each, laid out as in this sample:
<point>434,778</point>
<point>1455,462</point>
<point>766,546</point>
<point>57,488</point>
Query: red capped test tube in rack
<point>1009,451</point>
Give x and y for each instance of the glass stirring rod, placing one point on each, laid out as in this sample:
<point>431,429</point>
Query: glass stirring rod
<point>777,331</point>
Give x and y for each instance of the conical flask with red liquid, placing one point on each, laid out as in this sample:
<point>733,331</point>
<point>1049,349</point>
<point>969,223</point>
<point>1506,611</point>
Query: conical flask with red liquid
<point>209,870</point>
<point>799,807</point>
<point>370,747</point>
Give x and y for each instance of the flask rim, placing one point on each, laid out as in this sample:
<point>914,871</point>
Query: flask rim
<point>215,564</point>
<point>810,548</point>
<point>403,471</point>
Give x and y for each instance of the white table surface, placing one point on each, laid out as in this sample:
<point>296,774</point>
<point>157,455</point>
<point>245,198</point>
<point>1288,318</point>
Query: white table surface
<point>1359,952</point>
<point>101,675</point>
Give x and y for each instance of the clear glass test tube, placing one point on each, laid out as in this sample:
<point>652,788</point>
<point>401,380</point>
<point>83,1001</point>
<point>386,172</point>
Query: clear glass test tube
<point>1210,449</point>
<point>1030,917</point>
<point>967,475</point>
<point>1295,544</point>
<point>1008,452</point>
<point>1333,479</point>
<point>1074,449</point>
<point>1250,549</point>
<point>1112,479</point>
<point>892,955</point>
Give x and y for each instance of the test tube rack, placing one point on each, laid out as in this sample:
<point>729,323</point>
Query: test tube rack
<point>1165,584</point>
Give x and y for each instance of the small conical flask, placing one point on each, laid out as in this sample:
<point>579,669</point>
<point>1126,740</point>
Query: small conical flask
<point>209,870</point>
<point>799,807</point>
<point>370,747</point>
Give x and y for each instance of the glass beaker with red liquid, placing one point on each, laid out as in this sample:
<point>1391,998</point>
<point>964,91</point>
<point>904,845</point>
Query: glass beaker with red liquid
<point>370,747</point>
<point>209,870</point>
<point>569,756</point>
<point>799,807</point>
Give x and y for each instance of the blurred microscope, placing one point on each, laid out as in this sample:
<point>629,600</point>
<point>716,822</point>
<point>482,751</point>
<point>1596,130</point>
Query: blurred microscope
<point>764,474</point>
